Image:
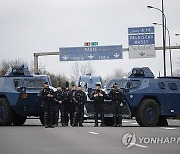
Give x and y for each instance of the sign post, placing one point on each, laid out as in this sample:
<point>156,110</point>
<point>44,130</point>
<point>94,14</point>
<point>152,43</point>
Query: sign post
<point>141,42</point>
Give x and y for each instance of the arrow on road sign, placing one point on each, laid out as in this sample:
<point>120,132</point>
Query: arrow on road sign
<point>142,53</point>
<point>116,55</point>
<point>65,57</point>
<point>90,56</point>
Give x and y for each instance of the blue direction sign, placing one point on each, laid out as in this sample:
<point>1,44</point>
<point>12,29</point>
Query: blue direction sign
<point>142,30</point>
<point>141,39</point>
<point>90,53</point>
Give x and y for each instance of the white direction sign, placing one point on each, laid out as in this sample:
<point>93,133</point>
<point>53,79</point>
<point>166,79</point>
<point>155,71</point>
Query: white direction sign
<point>141,42</point>
<point>147,51</point>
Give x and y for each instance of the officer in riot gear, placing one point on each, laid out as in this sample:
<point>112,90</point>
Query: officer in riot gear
<point>79,99</point>
<point>72,103</point>
<point>117,98</point>
<point>66,104</point>
<point>47,96</point>
<point>58,98</point>
<point>98,96</point>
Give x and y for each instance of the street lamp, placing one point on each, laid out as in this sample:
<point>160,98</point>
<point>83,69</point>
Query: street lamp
<point>170,53</point>
<point>177,34</point>
<point>164,33</point>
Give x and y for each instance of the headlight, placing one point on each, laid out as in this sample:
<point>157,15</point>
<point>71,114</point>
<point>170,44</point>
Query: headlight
<point>24,96</point>
<point>23,89</point>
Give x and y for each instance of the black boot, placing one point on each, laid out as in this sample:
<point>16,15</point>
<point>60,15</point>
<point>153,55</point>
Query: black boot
<point>52,120</point>
<point>57,120</point>
<point>75,119</point>
<point>63,119</point>
<point>115,120</point>
<point>102,120</point>
<point>46,121</point>
<point>81,119</point>
<point>96,120</point>
<point>71,118</point>
<point>120,120</point>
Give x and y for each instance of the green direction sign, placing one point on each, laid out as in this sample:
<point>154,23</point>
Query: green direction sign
<point>94,43</point>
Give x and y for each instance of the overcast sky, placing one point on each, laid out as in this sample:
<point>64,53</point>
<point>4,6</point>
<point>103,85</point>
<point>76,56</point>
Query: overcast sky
<point>28,26</point>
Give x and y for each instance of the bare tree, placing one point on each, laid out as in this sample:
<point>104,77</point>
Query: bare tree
<point>41,68</point>
<point>78,70</point>
<point>75,73</point>
<point>55,79</point>
<point>87,68</point>
<point>117,73</point>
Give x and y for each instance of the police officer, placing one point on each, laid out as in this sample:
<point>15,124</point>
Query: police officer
<point>117,98</point>
<point>72,103</point>
<point>47,96</point>
<point>79,99</point>
<point>98,96</point>
<point>61,97</point>
<point>66,103</point>
<point>58,97</point>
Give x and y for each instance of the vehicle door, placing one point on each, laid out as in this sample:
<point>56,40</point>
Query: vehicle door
<point>174,97</point>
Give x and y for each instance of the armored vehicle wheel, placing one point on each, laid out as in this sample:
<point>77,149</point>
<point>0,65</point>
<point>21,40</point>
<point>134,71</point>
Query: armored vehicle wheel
<point>162,121</point>
<point>6,113</point>
<point>148,113</point>
<point>42,119</point>
<point>19,120</point>
<point>108,121</point>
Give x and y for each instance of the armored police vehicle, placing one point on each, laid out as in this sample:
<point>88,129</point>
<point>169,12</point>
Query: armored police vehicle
<point>18,96</point>
<point>150,100</point>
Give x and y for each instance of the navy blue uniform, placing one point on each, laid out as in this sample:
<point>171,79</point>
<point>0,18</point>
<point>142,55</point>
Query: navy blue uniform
<point>117,98</point>
<point>98,104</point>
<point>48,103</point>
<point>65,107</point>
<point>71,105</point>
<point>58,100</point>
<point>79,97</point>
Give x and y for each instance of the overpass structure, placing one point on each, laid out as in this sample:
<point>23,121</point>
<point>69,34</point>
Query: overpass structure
<point>38,54</point>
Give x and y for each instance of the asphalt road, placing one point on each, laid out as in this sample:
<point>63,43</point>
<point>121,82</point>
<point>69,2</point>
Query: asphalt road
<point>32,138</point>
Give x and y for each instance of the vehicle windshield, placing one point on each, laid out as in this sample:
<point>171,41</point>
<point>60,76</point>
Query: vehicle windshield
<point>90,82</point>
<point>34,83</point>
<point>121,83</point>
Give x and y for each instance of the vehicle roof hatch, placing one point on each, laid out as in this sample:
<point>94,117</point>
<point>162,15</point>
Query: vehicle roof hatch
<point>143,72</point>
<point>18,71</point>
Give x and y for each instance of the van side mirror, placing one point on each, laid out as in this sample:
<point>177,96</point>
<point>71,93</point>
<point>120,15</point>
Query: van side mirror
<point>16,84</point>
<point>128,85</point>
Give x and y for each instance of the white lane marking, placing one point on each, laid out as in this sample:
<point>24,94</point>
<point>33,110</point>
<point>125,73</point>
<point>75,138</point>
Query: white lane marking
<point>125,121</point>
<point>94,133</point>
<point>142,146</point>
<point>168,128</point>
<point>134,123</point>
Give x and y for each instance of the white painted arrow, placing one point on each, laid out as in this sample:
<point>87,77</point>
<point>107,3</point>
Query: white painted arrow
<point>116,55</point>
<point>142,53</point>
<point>90,56</point>
<point>65,57</point>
